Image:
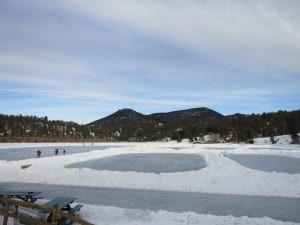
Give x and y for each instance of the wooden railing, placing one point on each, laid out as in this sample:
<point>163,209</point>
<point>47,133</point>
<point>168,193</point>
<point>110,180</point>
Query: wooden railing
<point>8,204</point>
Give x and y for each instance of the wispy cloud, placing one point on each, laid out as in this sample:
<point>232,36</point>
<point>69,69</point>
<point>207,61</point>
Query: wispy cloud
<point>85,56</point>
<point>258,31</point>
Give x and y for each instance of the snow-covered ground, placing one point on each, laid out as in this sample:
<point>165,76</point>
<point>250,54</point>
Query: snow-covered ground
<point>118,216</point>
<point>221,175</point>
<point>283,139</point>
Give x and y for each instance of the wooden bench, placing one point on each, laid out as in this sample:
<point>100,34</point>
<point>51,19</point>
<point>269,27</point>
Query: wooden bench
<point>28,196</point>
<point>62,203</point>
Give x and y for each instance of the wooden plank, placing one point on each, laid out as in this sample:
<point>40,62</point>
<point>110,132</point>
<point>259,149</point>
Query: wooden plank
<point>19,193</point>
<point>30,205</point>
<point>5,211</point>
<point>28,219</point>
<point>54,215</point>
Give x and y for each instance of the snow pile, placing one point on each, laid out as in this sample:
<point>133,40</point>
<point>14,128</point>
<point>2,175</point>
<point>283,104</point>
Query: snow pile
<point>282,140</point>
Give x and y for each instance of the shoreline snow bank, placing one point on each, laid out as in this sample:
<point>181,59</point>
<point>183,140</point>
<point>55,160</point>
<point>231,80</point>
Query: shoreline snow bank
<point>104,215</point>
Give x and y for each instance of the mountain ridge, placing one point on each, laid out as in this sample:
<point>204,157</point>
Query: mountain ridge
<point>192,112</point>
<point>127,115</point>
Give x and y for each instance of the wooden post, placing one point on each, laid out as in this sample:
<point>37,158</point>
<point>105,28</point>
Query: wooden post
<point>5,211</point>
<point>54,215</point>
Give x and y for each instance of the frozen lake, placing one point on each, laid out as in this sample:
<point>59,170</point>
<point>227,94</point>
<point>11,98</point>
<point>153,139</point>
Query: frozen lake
<point>268,163</point>
<point>30,152</point>
<point>146,162</point>
<point>279,208</point>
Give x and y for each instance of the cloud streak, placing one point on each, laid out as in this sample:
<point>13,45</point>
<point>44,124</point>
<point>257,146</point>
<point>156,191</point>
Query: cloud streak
<point>256,30</point>
<point>152,56</point>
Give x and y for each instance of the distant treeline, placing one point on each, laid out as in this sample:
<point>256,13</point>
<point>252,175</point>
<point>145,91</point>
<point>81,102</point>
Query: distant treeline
<point>234,128</point>
<point>40,129</point>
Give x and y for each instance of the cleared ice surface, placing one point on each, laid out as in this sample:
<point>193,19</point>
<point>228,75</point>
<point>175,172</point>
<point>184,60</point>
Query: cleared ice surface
<point>146,162</point>
<point>268,163</point>
<point>279,208</point>
<point>30,152</point>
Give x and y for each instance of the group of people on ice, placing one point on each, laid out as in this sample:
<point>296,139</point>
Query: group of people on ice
<point>39,152</point>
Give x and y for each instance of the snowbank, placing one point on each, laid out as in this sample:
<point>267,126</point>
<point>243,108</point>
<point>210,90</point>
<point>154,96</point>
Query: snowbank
<point>118,216</point>
<point>282,140</point>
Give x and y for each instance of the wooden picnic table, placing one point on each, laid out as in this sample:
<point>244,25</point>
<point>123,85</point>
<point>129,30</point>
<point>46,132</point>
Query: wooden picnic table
<point>28,196</point>
<point>64,203</point>
<point>52,211</point>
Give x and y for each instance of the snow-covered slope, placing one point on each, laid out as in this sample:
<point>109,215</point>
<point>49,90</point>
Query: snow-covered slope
<point>283,140</point>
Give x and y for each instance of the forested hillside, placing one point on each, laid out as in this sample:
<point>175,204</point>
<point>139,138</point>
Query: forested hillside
<point>40,129</point>
<point>128,125</point>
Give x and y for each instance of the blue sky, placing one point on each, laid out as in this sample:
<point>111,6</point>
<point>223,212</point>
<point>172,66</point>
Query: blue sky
<point>81,60</point>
